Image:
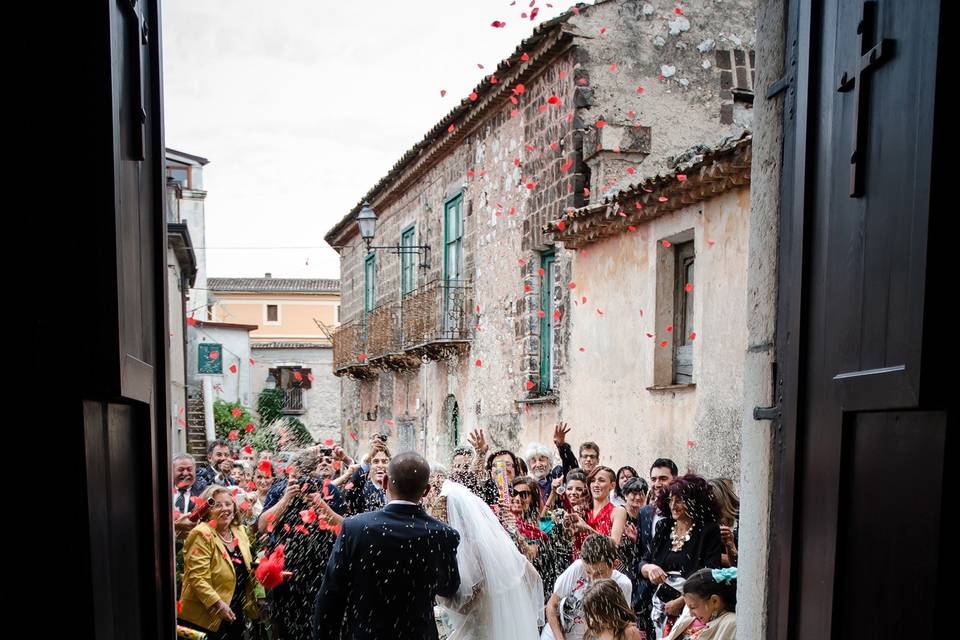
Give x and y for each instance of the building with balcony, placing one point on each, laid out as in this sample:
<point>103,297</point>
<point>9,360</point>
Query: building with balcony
<point>464,307</point>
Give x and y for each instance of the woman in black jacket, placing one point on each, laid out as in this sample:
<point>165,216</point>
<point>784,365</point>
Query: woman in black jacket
<point>685,542</point>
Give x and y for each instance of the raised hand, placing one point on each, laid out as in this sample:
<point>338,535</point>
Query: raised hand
<point>560,432</point>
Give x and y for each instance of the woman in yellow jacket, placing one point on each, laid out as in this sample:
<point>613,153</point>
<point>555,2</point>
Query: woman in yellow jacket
<point>218,581</point>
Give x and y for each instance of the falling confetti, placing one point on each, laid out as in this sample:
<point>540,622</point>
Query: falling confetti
<point>681,177</point>
<point>530,384</point>
<point>496,24</point>
<point>693,335</point>
<point>688,287</point>
<point>236,412</point>
<point>478,362</point>
<point>665,243</point>
<point>249,428</point>
<point>233,368</point>
<point>233,435</point>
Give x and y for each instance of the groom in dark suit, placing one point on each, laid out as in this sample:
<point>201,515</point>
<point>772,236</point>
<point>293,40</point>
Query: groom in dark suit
<point>387,566</point>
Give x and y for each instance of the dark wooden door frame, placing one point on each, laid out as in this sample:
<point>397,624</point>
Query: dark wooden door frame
<point>800,74</point>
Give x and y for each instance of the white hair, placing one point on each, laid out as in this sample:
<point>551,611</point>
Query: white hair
<point>437,468</point>
<point>535,449</point>
<point>183,456</point>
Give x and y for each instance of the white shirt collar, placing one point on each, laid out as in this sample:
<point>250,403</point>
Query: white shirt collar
<point>403,502</point>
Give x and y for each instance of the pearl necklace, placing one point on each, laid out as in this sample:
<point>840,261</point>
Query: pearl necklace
<point>677,542</point>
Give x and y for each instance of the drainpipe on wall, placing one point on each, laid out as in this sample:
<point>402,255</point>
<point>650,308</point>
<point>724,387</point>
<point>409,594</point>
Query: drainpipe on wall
<point>208,409</point>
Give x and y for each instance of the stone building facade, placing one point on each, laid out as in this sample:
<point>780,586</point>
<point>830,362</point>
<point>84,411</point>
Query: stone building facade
<point>477,333</point>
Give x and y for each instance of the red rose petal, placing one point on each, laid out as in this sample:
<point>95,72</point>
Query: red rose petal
<point>443,92</point>
<point>478,362</point>
<point>236,412</point>
<point>681,177</point>
<point>630,170</point>
<point>472,96</point>
<point>600,124</point>
<point>566,165</point>
<point>670,328</point>
<point>613,67</point>
<point>233,368</point>
<point>693,335</point>
<point>709,243</point>
<point>233,435</point>
<point>541,313</point>
<point>571,285</point>
<point>663,344</point>
<point>688,287</point>
<point>662,198</point>
<point>524,57</point>
<point>451,128</point>
<point>553,100</point>
<point>214,355</point>
<point>530,384</point>
<point>556,314</point>
<point>519,89</point>
<point>582,349</point>
<point>666,244</point>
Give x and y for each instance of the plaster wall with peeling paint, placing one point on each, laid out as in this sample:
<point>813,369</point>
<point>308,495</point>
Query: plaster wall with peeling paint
<point>611,396</point>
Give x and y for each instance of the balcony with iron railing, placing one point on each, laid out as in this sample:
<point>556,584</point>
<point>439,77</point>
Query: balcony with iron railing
<point>350,350</point>
<point>437,318</point>
<point>385,338</point>
<point>293,401</point>
<point>431,322</point>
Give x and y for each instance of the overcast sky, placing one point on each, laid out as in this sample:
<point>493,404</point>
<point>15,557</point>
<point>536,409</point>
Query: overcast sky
<point>301,107</point>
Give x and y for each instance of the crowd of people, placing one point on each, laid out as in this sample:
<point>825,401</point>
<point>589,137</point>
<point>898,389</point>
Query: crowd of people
<point>609,553</point>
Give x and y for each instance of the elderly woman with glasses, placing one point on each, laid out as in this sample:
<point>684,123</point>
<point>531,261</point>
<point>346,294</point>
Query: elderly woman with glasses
<point>218,582</point>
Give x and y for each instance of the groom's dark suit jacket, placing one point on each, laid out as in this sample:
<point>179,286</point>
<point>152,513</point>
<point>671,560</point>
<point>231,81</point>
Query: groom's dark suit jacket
<point>383,574</point>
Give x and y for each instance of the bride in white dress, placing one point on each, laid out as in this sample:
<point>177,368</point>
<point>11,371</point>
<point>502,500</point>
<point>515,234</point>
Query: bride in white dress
<point>501,594</point>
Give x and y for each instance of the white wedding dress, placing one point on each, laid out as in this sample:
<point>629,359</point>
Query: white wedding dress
<point>501,594</point>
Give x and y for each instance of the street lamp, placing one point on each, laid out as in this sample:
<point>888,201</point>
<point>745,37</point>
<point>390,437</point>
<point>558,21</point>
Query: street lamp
<point>367,222</point>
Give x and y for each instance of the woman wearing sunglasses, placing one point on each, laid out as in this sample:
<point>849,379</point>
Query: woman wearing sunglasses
<point>540,539</point>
